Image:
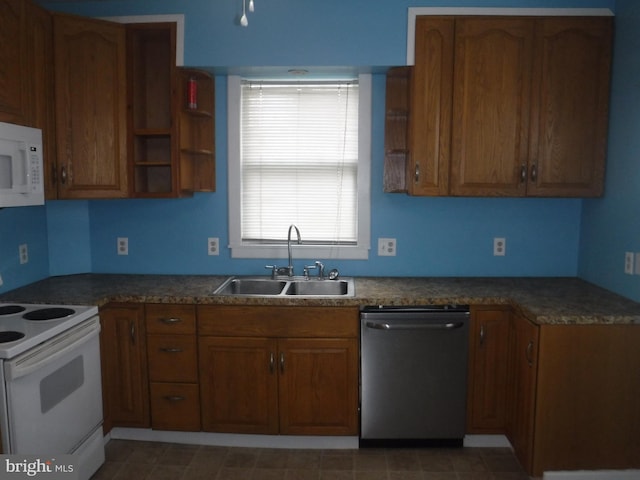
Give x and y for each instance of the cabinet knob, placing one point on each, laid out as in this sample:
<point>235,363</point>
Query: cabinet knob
<point>523,173</point>
<point>132,332</point>
<point>534,172</point>
<point>529,353</point>
<point>63,175</point>
<point>272,362</point>
<point>282,362</point>
<point>482,335</point>
<point>416,177</point>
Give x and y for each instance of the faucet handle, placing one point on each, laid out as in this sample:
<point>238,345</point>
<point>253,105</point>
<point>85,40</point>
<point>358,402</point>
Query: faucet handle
<point>306,270</point>
<point>273,269</point>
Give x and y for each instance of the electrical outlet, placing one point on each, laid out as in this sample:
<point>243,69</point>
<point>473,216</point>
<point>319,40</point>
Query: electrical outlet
<point>213,246</point>
<point>499,247</point>
<point>1,281</point>
<point>628,263</point>
<point>387,247</point>
<point>638,263</point>
<point>123,246</point>
<point>23,252</point>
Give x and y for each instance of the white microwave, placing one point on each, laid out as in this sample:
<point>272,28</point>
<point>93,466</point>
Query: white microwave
<point>21,166</point>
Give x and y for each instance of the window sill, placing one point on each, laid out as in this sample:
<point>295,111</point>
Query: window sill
<point>339,252</point>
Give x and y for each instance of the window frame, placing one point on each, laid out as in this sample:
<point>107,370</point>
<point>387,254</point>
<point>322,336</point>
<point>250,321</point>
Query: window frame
<point>240,249</point>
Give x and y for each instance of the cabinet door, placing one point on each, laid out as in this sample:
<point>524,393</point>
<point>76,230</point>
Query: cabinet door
<point>43,111</point>
<point>90,94</point>
<point>491,92</point>
<point>570,107</point>
<point>318,386</point>
<point>14,74</point>
<point>524,362</point>
<point>488,370</point>
<point>124,365</point>
<point>430,115</point>
<point>238,384</point>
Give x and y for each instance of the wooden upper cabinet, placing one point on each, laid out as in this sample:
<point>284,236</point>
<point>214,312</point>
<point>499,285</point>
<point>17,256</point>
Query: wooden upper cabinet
<point>14,73</point>
<point>42,93</point>
<point>569,114</point>
<point>90,94</point>
<point>493,61</point>
<point>430,115</point>
<point>509,106</point>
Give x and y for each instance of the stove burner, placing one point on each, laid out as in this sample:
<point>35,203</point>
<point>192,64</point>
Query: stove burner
<point>11,309</point>
<point>48,313</point>
<point>10,336</point>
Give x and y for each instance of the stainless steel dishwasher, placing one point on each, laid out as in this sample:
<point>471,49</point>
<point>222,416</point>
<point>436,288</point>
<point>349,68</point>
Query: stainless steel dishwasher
<point>413,375</point>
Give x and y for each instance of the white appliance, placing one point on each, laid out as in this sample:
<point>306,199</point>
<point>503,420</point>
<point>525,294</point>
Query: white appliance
<point>21,166</point>
<point>50,383</point>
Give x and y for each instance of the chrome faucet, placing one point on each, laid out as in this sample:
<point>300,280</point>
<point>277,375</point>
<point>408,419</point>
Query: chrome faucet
<point>290,267</point>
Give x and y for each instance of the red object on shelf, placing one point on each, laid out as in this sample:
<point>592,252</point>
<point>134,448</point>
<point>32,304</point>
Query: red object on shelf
<point>192,94</point>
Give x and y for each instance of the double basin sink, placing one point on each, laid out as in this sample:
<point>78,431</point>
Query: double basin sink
<point>293,286</point>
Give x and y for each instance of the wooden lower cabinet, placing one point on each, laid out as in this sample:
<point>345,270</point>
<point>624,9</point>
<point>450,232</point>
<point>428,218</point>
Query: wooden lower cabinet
<point>172,354</point>
<point>239,388</point>
<point>574,398</point>
<point>124,366</point>
<point>301,378</point>
<point>488,369</point>
<point>524,365</point>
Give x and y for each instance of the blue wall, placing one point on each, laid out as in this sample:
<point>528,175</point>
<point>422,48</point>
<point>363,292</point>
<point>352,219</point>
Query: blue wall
<point>436,236</point>
<point>611,225</point>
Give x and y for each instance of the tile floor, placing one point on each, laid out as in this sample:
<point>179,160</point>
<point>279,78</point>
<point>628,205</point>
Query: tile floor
<point>135,460</point>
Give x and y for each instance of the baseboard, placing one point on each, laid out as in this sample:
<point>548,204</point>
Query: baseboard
<point>481,441</point>
<point>236,440</point>
<point>593,475</point>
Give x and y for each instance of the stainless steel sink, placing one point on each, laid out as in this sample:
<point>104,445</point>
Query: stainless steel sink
<point>294,286</point>
<point>251,286</point>
<point>318,287</point>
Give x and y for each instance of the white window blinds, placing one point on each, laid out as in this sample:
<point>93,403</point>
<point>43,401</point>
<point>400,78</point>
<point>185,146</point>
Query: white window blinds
<point>299,161</point>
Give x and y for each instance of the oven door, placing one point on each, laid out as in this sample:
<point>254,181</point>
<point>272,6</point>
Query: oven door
<point>54,394</point>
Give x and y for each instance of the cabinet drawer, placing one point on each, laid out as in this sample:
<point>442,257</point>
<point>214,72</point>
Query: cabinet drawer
<point>175,406</point>
<point>168,318</point>
<point>276,321</point>
<point>172,358</point>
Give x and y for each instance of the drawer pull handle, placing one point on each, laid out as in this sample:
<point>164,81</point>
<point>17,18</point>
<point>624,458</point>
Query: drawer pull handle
<point>171,349</point>
<point>170,320</point>
<point>173,398</point>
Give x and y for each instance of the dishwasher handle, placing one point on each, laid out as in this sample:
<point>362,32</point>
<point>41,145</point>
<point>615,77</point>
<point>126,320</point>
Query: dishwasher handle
<point>414,326</point>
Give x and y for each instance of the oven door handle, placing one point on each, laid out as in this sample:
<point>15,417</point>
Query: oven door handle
<point>414,326</point>
<point>52,350</point>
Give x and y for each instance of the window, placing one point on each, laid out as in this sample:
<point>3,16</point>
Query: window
<point>299,153</point>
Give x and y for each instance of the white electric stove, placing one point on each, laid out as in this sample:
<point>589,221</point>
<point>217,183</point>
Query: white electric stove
<point>23,326</point>
<point>50,383</point>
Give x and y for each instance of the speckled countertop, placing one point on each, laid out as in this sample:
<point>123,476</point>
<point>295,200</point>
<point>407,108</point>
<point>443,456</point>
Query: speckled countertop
<point>542,300</point>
